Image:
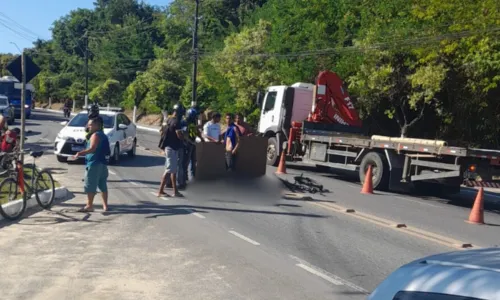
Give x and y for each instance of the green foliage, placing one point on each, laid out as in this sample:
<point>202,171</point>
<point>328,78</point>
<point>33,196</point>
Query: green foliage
<point>158,88</point>
<point>245,72</point>
<point>106,93</point>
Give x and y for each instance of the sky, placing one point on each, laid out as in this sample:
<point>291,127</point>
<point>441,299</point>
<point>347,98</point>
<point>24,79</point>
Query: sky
<point>36,16</point>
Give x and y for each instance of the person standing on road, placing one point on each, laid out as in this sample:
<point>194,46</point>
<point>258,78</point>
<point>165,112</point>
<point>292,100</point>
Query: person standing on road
<point>3,125</point>
<point>171,142</point>
<point>211,129</point>
<point>244,127</point>
<point>231,142</point>
<point>193,133</point>
<point>96,175</point>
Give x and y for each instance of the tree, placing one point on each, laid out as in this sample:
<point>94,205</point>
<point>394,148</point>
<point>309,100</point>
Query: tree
<point>109,92</point>
<point>240,63</point>
<point>158,88</point>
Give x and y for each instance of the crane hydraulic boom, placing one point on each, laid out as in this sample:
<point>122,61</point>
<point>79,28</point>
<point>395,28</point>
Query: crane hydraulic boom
<point>332,103</point>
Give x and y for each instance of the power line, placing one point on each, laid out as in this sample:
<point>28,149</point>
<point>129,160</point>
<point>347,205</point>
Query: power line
<point>19,25</point>
<point>22,35</point>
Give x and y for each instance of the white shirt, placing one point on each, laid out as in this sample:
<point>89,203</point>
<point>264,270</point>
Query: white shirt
<point>212,130</point>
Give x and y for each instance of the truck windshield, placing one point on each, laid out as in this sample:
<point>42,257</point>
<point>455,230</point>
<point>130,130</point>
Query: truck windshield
<point>81,120</point>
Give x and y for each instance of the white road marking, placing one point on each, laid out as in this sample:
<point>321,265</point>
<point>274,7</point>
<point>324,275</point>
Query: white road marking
<point>133,182</point>
<point>241,236</point>
<point>195,213</point>
<point>111,172</point>
<point>154,194</point>
<point>198,215</point>
<point>319,274</point>
<point>326,275</point>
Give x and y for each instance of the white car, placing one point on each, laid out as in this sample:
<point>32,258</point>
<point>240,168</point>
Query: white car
<point>460,275</point>
<point>120,130</point>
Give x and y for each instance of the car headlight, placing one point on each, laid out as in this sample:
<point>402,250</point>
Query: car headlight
<point>26,106</point>
<point>62,137</point>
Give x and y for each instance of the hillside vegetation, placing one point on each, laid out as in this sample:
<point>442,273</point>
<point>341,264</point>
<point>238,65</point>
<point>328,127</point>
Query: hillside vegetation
<point>422,68</point>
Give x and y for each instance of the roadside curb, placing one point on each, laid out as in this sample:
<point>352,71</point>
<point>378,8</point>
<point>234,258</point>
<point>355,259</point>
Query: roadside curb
<point>74,114</point>
<point>401,227</point>
<point>61,194</point>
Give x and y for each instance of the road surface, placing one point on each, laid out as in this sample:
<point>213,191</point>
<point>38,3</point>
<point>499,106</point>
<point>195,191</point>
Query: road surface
<point>228,241</point>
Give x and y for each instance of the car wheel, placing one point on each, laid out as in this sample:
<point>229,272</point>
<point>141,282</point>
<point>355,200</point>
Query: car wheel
<point>116,155</point>
<point>131,152</point>
<point>62,158</point>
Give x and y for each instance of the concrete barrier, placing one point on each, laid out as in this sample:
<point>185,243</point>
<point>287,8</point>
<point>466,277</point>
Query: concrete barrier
<point>250,161</point>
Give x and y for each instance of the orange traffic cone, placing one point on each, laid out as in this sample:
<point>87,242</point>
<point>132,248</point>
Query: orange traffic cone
<point>477,214</point>
<point>282,165</point>
<point>368,184</point>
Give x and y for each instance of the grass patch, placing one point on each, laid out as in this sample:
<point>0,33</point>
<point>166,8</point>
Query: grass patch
<point>28,175</point>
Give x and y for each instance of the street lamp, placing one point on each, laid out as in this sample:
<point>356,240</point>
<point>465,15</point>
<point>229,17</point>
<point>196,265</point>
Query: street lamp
<point>16,46</point>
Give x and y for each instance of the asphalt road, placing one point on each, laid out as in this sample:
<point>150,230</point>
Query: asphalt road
<point>243,241</point>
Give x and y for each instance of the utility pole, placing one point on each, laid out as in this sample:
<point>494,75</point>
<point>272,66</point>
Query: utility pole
<point>23,103</point>
<point>195,54</point>
<point>86,69</point>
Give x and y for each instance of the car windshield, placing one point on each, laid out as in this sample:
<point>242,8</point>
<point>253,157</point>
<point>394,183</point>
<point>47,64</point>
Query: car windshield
<point>4,102</point>
<point>81,120</point>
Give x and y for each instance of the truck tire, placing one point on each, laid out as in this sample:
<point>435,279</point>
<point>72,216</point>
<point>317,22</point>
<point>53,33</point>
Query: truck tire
<point>380,170</point>
<point>273,155</point>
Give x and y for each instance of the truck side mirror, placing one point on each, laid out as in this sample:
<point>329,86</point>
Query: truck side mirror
<point>258,100</point>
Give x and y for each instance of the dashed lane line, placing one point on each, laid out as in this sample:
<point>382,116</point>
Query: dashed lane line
<point>198,215</point>
<point>241,236</point>
<point>334,279</point>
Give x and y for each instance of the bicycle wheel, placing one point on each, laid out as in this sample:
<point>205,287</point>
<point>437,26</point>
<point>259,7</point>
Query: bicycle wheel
<point>44,189</point>
<point>11,208</point>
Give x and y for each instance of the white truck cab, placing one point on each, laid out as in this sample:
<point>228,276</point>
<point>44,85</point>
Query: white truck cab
<point>281,106</point>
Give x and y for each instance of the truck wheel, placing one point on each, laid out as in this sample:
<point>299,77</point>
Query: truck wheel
<point>380,170</point>
<point>273,155</point>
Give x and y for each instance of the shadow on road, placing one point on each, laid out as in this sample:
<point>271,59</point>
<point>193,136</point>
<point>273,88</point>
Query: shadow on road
<point>154,210</point>
<point>142,161</point>
<point>464,199</point>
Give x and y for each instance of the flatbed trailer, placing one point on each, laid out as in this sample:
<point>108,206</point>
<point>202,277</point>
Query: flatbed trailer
<point>318,124</point>
<point>398,164</point>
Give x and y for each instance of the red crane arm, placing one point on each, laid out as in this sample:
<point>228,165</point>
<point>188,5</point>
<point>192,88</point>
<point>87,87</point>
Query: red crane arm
<point>333,103</point>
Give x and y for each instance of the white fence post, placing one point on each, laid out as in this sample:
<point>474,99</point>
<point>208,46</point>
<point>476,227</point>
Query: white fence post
<point>134,114</point>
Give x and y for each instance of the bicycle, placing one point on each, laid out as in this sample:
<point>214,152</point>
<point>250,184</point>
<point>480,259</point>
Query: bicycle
<point>44,196</point>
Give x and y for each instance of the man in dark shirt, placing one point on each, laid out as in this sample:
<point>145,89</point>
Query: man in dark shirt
<point>231,141</point>
<point>171,142</point>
